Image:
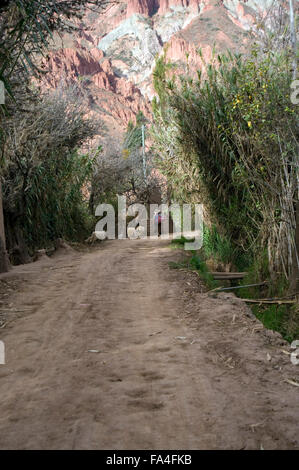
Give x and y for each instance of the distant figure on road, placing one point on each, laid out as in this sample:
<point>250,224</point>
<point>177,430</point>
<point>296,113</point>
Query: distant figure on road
<point>158,220</point>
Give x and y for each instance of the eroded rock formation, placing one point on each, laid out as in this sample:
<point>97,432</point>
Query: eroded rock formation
<point>114,55</point>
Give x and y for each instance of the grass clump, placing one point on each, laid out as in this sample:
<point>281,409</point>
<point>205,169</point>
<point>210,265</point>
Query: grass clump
<point>281,318</point>
<point>196,264</point>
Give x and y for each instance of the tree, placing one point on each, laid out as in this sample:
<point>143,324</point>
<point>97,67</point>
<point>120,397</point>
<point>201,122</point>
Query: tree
<point>294,282</point>
<point>26,31</point>
<point>232,136</point>
<point>293,38</point>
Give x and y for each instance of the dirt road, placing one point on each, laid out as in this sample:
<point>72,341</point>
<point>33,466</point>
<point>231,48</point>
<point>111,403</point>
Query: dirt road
<point>110,349</point>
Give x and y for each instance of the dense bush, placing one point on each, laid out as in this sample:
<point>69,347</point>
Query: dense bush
<point>43,172</point>
<point>121,170</point>
<point>229,138</point>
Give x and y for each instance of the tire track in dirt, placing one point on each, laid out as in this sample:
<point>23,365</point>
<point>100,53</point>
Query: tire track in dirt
<point>117,351</point>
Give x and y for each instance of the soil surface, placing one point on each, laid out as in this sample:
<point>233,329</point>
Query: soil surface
<point>111,349</point>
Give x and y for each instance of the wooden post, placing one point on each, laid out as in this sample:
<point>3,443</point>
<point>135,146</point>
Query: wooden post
<point>143,152</point>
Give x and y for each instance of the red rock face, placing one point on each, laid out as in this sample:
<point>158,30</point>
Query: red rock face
<point>117,78</point>
<point>144,7</point>
<point>213,26</point>
<point>165,5</point>
<point>118,99</point>
<point>148,7</point>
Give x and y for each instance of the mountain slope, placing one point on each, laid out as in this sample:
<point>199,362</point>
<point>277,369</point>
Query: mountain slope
<point>113,55</point>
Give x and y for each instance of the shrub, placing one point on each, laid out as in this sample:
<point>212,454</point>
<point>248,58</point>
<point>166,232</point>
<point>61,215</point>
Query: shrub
<point>43,173</point>
<point>229,139</point>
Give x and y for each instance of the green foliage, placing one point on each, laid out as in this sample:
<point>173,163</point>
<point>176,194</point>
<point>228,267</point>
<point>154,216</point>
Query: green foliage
<point>160,80</point>
<point>54,206</point>
<point>222,249</point>
<point>217,247</point>
<point>42,173</point>
<point>181,241</point>
<point>44,176</point>
<point>230,140</point>
<point>133,136</point>
<point>281,318</point>
<point>195,263</point>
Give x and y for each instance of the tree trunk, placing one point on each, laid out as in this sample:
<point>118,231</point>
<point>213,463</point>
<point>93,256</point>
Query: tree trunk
<point>4,262</point>
<point>294,281</point>
<point>293,38</point>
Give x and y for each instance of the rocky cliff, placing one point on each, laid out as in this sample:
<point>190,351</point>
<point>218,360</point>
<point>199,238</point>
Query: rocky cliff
<point>113,54</point>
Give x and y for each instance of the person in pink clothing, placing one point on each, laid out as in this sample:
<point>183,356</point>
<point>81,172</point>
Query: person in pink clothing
<point>158,220</point>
